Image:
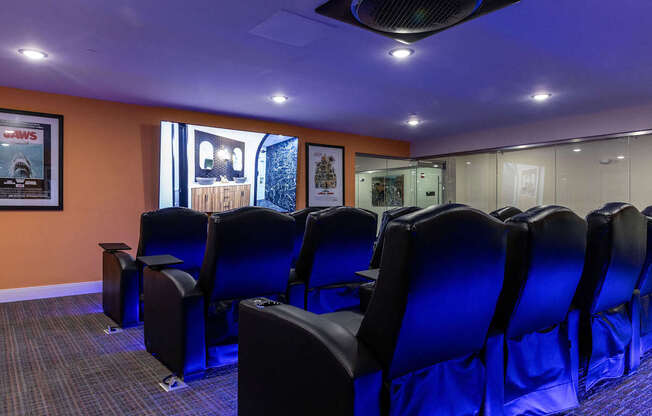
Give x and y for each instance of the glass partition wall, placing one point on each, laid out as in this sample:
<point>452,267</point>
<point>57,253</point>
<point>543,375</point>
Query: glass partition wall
<point>383,183</point>
<point>580,175</point>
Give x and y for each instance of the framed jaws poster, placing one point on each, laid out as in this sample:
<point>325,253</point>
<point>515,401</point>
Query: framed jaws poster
<point>31,161</point>
<point>324,175</point>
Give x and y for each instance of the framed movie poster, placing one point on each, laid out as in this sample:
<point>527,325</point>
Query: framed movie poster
<point>324,175</point>
<point>31,161</point>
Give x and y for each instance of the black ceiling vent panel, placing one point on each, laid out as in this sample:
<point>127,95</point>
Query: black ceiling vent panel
<point>408,20</point>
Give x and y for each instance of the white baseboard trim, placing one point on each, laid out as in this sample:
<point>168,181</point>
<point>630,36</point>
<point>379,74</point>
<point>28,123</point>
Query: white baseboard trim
<point>50,291</point>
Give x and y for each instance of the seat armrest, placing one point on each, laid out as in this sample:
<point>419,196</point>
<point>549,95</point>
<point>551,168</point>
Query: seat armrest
<point>281,347</point>
<point>296,291</point>
<point>174,321</point>
<point>111,247</point>
<point>159,262</point>
<point>366,292</point>
<point>120,288</point>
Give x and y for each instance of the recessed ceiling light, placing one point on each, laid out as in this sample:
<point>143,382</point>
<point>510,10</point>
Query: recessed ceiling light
<point>279,99</point>
<point>468,163</point>
<point>413,121</point>
<point>621,157</point>
<point>541,96</point>
<point>33,54</point>
<point>576,150</point>
<point>401,53</point>
<point>5,144</point>
<point>435,166</point>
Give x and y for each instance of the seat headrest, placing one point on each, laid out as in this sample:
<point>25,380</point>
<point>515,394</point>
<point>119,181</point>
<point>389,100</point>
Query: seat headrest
<point>505,213</point>
<point>303,213</point>
<point>544,266</point>
<point>248,253</point>
<point>645,280</point>
<point>325,214</point>
<point>616,246</point>
<point>178,231</point>
<point>338,242</point>
<point>388,216</point>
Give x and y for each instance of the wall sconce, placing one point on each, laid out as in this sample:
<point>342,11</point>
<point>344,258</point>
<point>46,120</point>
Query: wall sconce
<point>223,154</point>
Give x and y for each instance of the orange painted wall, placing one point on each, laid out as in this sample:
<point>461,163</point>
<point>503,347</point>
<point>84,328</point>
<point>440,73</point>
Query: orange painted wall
<point>111,177</point>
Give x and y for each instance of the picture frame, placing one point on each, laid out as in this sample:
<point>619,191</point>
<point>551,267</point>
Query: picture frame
<point>31,161</point>
<point>325,177</point>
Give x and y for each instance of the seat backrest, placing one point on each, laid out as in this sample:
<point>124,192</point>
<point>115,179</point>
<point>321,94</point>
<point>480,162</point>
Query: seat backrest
<point>645,280</point>
<point>178,231</point>
<point>300,218</point>
<point>248,254</point>
<point>338,242</point>
<point>505,213</point>
<point>388,216</point>
<point>544,266</point>
<point>437,290</point>
<point>615,252</point>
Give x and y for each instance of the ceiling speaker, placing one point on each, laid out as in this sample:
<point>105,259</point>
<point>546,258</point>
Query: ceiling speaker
<point>408,20</point>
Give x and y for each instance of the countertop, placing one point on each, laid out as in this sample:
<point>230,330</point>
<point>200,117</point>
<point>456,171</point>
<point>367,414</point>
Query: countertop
<point>216,184</point>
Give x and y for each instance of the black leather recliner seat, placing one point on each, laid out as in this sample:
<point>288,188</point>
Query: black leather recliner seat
<point>417,350</point>
<point>645,288</point>
<point>367,289</point>
<point>541,348</point>
<point>192,324</point>
<point>616,246</point>
<point>388,216</point>
<point>300,218</point>
<point>337,243</point>
<point>180,232</point>
<point>505,213</point>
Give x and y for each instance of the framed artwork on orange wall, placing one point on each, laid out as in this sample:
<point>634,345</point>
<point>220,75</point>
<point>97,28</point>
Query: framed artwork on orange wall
<point>31,160</point>
<point>324,175</point>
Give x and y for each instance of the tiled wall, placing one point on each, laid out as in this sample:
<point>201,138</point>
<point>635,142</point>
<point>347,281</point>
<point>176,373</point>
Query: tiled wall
<point>220,167</point>
<point>281,174</point>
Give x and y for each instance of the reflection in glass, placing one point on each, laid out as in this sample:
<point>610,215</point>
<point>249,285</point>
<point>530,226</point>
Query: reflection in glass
<point>592,176</point>
<point>526,178</point>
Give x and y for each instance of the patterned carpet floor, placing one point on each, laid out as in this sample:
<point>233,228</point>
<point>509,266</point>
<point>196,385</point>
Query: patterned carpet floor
<point>56,360</point>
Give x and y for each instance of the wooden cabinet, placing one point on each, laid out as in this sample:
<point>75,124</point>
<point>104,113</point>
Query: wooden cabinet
<point>220,198</point>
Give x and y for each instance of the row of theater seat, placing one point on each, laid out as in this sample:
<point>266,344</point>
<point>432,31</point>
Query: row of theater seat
<point>306,259</point>
<point>469,315</point>
<point>457,291</point>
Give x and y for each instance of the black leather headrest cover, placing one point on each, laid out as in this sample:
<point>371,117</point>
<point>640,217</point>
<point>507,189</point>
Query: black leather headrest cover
<point>300,218</point>
<point>505,213</point>
<point>544,268</point>
<point>615,252</point>
<point>338,242</point>
<point>180,232</point>
<point>248,254</point>
<point>645,281</point>
<point>439,282</point>
<point>388,216</point>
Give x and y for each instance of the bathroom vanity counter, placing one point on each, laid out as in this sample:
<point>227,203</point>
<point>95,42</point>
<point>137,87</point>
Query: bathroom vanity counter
<point>220,196</point>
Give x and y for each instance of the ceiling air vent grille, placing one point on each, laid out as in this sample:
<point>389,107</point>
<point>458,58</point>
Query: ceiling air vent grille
<point>411,16</point>
<point>408,21</point>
